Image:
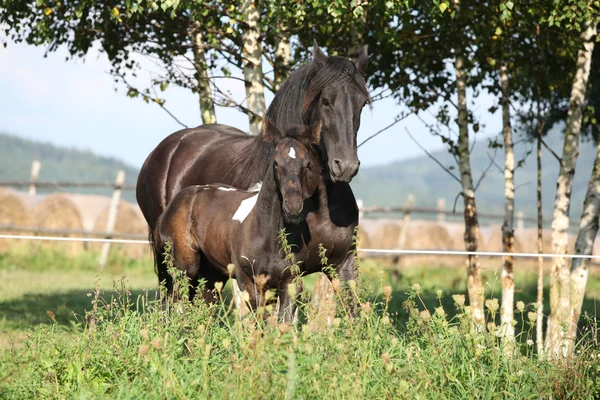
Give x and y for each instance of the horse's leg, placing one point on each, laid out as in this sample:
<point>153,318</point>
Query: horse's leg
<point>346,271</point>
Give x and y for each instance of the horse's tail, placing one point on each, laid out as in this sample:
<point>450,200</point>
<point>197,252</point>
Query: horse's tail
<point>155,250</point>
<point>160,268</point>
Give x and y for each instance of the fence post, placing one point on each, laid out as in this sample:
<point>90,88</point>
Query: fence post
<point>520,220</point>
<point>35,172</point>
<point>441,205</point>
<point>112,218</point>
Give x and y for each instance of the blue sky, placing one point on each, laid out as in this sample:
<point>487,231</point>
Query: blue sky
<point>74,104</point>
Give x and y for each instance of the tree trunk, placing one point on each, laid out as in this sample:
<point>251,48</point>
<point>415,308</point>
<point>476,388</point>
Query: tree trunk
<point>588,228</point>
<point>557,342</point>
<point>471,237</point>
<point>207,105</point>
<point>283,51</point>
<point>474,286</point>
<point>253,73</point>
<point>508,233</point>
<point>540,216</point>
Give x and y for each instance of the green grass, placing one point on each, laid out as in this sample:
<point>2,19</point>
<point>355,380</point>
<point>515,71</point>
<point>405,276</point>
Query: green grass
<point>394,349</point>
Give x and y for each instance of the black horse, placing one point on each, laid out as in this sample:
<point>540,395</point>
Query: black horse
<point>210,226</point>
<point>330,89</point>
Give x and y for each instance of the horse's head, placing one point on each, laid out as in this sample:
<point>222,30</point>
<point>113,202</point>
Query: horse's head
<point>336,95</point>
<point>296,166</point>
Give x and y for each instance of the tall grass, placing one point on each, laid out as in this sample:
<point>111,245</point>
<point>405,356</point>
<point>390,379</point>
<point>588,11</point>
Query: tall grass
<point>135,347</point>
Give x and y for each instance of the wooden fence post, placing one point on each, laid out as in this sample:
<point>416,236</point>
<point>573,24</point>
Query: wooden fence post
<point>112,218</point>
<point>520,220</point>
<point>441,206</point>
<point>35,172</point>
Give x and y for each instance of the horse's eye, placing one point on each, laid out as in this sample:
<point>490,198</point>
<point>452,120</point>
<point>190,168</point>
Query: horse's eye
<point>325,101</point>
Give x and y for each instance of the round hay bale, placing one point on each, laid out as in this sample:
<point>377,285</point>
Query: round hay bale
<point>426,236</point>
<point>90,208</point>
<point>13,211</point>
<point>58,211</point>
<point>128,221</point>
<point>386,236</point>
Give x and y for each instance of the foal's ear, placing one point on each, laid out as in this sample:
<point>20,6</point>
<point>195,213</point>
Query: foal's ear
<point>270,132</point>
<point>318,56</point>
<point>363,61</point>
<point>315,134</point>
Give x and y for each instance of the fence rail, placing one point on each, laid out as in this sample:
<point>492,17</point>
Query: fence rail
<point>54,185</point>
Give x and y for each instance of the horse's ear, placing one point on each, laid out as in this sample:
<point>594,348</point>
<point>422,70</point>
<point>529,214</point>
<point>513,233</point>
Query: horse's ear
<point>363,61</point>
<point>270,132</point>
<point>318,56</point>
<point>316,132</point>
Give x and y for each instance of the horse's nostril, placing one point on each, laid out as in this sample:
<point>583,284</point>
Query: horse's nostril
<point>337,167</point>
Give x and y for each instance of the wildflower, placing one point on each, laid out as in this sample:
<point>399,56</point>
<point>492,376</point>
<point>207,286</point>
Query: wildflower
<point>385,320</point>
<point>157,343</point>
<point>440,311</point>
<point>292,290</point>
<point>201,329</point>
<point>459,299</point>
<point>438,293</point>
<point>144,350</point>
<point>226,343</point>
<point>492,304</point>
<point>529,342</point>
<point>219,286</point>
<point>394,340</point>
<point>337,322</point>
<point>520,306</point>
<point>246,296</point>
<point>366,308</point>
<point>425,315</point>
<point>531,316</point>
<point>283,328</point>
<point>387,292</point>
<point>416,287</point>
<point>230,269</point>
<point>144,334</point>
<point>352,284</point>
<point>269,295</point>
<point>272,321</point>
<point>385,357</point>
<point>261,280</point>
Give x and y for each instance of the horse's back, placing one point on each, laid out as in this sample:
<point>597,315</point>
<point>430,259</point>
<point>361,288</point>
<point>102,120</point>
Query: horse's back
<point>187,157</point>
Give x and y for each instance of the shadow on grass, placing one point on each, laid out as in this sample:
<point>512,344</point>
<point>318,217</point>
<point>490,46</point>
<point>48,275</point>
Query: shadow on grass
<point>67,308</point>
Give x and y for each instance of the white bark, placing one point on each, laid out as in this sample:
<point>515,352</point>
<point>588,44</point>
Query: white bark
<point>557,342</point>
<point>253,73</point>
<point>283,51</point>
<point>588,228</point>
<point>508,234</point>
<point>474,285</point>
<point>207,105</point>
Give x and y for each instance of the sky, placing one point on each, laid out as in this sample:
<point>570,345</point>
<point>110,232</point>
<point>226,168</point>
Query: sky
<point>77,104</point>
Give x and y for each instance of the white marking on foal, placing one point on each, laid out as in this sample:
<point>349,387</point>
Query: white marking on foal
<point>292,153</point>
<point>226,189</point>
<point>246,206</point>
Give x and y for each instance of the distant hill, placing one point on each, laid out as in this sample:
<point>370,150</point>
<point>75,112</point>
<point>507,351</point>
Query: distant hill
<point>61,164</point>
<point>386,185</point>
<point>390,184</point>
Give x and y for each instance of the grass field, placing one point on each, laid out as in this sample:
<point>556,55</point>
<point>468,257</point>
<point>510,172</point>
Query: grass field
<point>413,343</point>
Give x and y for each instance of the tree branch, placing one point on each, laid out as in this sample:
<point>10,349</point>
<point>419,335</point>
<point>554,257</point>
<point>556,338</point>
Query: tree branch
<point>398,119</point>
<point>432,157</point>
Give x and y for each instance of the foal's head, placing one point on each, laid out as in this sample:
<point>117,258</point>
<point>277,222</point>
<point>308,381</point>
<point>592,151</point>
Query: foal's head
<point>296,166</point>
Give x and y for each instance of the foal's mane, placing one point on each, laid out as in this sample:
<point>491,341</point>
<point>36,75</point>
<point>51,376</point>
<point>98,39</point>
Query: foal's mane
<point>292,104</point>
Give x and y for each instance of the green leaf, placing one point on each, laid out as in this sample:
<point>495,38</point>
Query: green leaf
<point>163,86</point>
<point>47,11</point>
<point>115,12</point>
<point>509,5</point>
<point>443,7</point>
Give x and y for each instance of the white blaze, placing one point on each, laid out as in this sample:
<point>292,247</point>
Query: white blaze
<point>292,153</point>
<point>227,189</point>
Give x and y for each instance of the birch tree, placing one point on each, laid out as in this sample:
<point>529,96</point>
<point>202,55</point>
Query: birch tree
<point>557,341</point>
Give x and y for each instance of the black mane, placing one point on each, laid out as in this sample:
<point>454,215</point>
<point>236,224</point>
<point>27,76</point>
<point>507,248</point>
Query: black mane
<point>293,103</point>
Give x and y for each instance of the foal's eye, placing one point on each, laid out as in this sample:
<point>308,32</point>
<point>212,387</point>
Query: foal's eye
<point>325,101</point>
